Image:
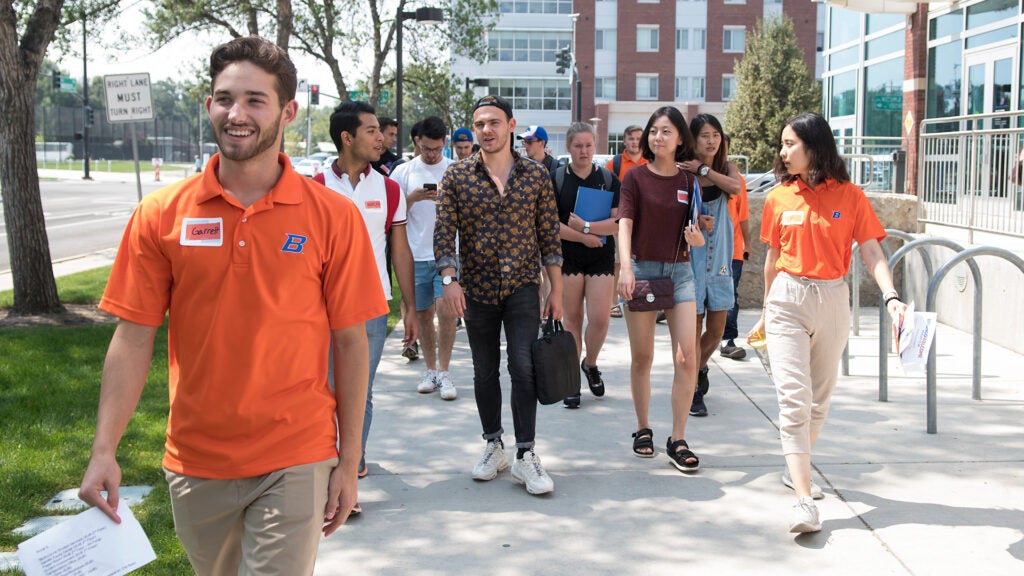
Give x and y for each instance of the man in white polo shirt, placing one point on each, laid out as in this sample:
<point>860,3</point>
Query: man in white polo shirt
<point>419,179</point>
<point>356,134</point>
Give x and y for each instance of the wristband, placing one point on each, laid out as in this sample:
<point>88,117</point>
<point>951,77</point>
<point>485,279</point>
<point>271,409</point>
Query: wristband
<point>891,298</point>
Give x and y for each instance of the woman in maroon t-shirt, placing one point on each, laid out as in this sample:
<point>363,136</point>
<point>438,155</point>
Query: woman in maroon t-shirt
<point>654,210</point>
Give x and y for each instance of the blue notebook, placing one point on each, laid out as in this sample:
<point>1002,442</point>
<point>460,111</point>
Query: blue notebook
<point>696,205</point>
<point>594,205</point>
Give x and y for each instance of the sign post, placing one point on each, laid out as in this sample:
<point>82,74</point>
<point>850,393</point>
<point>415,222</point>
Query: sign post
<point>129,100</point>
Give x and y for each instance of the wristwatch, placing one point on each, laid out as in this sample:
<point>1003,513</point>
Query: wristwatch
<point>586,227</point>
<point>446,280</point>
<point>703,170</point>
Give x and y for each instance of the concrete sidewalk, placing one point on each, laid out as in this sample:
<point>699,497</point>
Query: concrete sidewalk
<point>898,500</point>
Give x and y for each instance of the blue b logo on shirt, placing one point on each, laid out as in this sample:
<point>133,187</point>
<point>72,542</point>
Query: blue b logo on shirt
<point>835,214</point>
<point>293,243</point>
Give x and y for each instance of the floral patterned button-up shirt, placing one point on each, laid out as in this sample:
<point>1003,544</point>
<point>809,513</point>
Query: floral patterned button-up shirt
<point>502,240</point>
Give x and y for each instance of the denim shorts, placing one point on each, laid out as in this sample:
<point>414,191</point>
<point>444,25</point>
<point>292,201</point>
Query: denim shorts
<point>714,290</point>
<point>428,284</point>
<point>681,274</point>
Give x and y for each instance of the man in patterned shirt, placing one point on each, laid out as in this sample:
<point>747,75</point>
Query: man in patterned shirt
<point>502,207</point>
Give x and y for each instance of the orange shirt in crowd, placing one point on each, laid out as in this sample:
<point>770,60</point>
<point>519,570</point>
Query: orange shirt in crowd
<point>252,295</point>
<point>815,228</point>
<point>739,212</point>
<point>627,163</point>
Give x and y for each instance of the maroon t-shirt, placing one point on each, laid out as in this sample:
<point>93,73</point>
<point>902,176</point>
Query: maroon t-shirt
<point>659,206</point>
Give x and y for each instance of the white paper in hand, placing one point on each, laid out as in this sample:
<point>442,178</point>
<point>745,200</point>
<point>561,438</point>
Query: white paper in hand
<point>914,340</point>
<point>90,543</point>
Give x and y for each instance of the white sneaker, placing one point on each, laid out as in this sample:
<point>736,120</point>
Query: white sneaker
<point>528,470</point>
<point>448,391</point>
<point>428,383</point>
<point>805,517</point>
<point>816,492</point>
<point>493,461</point>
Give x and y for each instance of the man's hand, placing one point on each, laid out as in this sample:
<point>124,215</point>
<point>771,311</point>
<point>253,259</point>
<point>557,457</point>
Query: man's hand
<point>420,194</point>
<point>411,324</point>
<point>103,473</point>
<point>454,299</point>
<point>553,305</point>
<point>342,495</point>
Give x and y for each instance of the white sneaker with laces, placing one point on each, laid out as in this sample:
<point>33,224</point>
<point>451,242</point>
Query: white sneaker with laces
<point>528,470</point>
<point>816,492</point>
<point>493,461</point>
<point>448,391</point>
<point>805,517</point>
<point>428,383</point>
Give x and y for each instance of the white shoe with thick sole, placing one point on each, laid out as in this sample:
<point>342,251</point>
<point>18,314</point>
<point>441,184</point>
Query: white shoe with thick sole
<point>428,383</point>
<point>805,517</point>
<point>528,470</point>
<point>448,391</point>
<point>493,461</point>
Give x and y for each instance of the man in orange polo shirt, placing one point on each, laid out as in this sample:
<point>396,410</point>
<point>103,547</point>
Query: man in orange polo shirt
<point>258,268</point>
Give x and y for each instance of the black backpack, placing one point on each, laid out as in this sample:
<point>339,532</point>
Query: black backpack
<point>605,174</point>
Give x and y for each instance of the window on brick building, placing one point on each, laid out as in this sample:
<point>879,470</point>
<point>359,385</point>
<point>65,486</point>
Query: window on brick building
<point>732,38</point>
<point>682,38</point>
<point>646,86</point>
<point>604,88</point>
<point>647,38</point>
<point>728,87</point>
<point>604,39</point>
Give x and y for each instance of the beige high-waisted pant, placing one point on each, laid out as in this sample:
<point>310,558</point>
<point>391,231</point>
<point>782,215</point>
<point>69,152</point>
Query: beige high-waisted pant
<point>807,324</point>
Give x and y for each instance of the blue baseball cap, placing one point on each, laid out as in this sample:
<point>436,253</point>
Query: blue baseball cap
<point>462,135</point>
<point>534,132</point>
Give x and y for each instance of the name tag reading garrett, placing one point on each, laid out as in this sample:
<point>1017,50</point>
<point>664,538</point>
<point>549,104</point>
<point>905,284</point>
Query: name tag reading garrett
<point>792,218</point>
<point>202,232</point>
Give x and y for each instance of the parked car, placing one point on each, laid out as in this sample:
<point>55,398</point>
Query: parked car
<point>308,167</point>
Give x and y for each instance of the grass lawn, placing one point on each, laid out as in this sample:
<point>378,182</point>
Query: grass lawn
<point>49,390</point>
<point>145,165</point>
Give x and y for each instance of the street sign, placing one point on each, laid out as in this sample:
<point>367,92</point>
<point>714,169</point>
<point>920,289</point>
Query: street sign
<point>356,94</point>
<point>889,102</point>
<point>128,97</point>
<point>68,84</point>
<point>303,86</point>
<point>385,95</point>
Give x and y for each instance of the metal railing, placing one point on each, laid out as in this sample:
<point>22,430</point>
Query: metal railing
<point>969,175</point>
<point>870,161</point>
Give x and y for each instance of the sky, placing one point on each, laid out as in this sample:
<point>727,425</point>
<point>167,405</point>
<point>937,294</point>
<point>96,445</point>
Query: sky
<point>177,58</point>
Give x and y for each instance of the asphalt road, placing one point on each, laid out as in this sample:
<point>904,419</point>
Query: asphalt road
<point>82,217</point>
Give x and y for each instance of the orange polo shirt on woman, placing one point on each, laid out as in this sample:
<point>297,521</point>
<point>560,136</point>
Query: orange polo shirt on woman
<point>814,229</point>
<point>252,294</point>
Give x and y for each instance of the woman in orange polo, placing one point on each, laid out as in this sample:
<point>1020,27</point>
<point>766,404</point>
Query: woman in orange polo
<point>809,224</point>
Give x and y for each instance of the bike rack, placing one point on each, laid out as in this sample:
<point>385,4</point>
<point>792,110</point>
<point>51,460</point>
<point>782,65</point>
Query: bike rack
<point>933,288</point>
<point>883,334</point>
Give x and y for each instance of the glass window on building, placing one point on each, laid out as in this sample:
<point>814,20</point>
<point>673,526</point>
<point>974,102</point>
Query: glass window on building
<point>990,11</point>
<point>535,6</point>
<point>945,78</point>
<point>844,26</point>
<point>604,88</point>
<point>533,94</point>
<point>700,39</point>
<point>697,88</point>
<point>604,39</point>
<point>728,87</point>
<point>886,45</point>
<point>843,94</point>
<point>647,38</point>
<point>682,82</point>
<point>615,143</point>
<point>506,46</point>
<point>646,86</point>
<point>946,25</point>
<point>682,38</point>
<point>883,98</point>
<point>732,38</point>
<point>879,22</point>
<point>843,58</point>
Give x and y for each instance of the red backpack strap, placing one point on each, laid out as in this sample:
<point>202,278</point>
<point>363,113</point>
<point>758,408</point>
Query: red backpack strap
<point>319,179</point>
<point>392,191</point>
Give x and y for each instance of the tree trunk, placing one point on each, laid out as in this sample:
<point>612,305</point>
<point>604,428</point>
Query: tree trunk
<point>35,290</point>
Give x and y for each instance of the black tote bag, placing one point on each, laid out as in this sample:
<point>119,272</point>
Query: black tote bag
<point>555,368</point>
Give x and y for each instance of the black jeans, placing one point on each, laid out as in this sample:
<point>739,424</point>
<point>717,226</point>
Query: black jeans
<point>731,329</point>
<point>520,315</point>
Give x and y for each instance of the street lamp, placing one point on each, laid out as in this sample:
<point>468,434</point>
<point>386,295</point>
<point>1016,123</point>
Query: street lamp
<point>477,83</point>
<point>423,16</point>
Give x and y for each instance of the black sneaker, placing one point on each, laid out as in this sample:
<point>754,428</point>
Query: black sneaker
<point>661,317</point>
<point>593,378</point>
<point>698,408</point>
<point>731,350</point>
<point>412,352</point>
<point>572,402</point>
<point>702,381</point>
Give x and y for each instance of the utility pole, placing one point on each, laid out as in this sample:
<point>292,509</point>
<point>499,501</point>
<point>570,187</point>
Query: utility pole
<point>85,107</point>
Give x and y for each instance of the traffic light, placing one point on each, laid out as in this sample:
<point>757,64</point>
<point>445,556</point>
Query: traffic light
<point>563,59</point>
<point>314,94</point>
<point>55,75</point>
<point>88,115</point>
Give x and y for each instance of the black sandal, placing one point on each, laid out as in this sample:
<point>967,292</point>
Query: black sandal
<point>679,452</point>
<point>643,438</point>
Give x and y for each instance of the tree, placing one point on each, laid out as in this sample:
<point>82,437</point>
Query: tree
<point>26,31</point>
<point>773,84</point>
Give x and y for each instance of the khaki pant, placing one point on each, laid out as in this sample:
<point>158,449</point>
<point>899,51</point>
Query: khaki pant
<point>264,525</point>
<point>807,324</point>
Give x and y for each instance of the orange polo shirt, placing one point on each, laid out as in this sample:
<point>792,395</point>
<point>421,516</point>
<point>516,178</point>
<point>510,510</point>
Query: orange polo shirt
<point>739,211</point>
<point>626,165</point>
<point>252,294</point>
<point>815,228</point>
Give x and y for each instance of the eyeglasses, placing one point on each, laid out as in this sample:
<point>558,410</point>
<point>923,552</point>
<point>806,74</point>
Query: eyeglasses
<point>530,140</point>
<point>427,150</point>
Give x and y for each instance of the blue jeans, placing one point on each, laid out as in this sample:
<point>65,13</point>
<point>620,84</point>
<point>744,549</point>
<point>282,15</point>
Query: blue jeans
<point>731,330</point>
<point>376,332</point>
<point>520,315</point>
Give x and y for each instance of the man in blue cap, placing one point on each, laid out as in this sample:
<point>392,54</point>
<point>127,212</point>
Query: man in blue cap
<point>462,143</point>
<point>535,142</point>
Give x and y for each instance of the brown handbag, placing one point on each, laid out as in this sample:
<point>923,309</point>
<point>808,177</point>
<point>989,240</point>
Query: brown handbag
<point>655,293</point>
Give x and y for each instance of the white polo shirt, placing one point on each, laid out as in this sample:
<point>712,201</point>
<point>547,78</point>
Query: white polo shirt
<point>370,196</point>
<point>422,215</point>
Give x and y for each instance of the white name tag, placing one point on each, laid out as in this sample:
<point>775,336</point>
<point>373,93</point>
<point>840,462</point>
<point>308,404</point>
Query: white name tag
<point>202,232</point>
<point>792,218</point>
